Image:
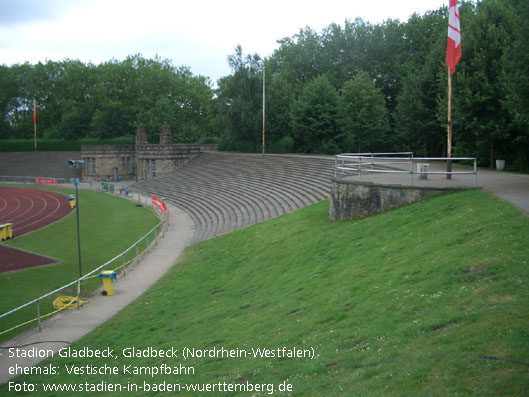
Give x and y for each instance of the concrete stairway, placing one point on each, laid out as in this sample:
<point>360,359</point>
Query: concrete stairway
<point>222,192</point>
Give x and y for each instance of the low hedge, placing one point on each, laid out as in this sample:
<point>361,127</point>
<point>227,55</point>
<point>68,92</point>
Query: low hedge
<point>52,145</point>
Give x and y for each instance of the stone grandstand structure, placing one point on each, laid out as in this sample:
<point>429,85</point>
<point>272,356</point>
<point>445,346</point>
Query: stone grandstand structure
<point>221,191</point>
<point>224,191</point>
<point>138,161</point>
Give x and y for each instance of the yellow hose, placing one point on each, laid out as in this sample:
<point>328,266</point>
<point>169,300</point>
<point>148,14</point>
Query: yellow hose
<point>68,302</point>
<point>63,303</point>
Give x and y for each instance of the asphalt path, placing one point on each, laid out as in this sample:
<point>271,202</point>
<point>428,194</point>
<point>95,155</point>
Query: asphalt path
<point>511,187</point>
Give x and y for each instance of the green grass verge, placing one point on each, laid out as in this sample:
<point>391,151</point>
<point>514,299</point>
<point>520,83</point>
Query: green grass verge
<point>109,225</point>
<point>408,302</point>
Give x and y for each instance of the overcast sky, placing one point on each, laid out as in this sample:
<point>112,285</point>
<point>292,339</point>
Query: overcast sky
<point>197,33</point>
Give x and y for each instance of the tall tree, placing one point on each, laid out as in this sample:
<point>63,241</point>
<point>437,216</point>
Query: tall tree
<point>417,126</point>
<point>240,97</point>
<point>515,80</point>
<point>364,118</point>
<point>479,113</point>
<point>315,118</point>
<point>7,95</point>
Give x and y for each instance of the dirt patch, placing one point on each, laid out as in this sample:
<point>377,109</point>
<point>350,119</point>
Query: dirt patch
<point>476,269</point>
<point>293,313</point>
<point>501,298</point>
<point>444,327</point>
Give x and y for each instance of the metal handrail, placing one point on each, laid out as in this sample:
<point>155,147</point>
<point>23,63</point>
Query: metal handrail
<point>162,224</point>
<point>355,163</point>
<point>87,274</point>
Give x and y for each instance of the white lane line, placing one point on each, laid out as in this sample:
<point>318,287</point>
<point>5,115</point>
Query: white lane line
<point>25,212</point>
<point>6,216</point>
<point>3,200</point>
<point>58,206</point>
<point>28,219</point>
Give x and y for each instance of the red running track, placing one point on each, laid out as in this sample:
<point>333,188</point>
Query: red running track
<point>28,209</point>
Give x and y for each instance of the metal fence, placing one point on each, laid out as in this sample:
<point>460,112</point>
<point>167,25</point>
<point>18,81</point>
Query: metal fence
<point>396,163</point>
<point>134,248</point>
<point>118,262</point>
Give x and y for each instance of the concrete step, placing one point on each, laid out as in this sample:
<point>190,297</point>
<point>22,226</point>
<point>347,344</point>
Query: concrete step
<point>226,191</point>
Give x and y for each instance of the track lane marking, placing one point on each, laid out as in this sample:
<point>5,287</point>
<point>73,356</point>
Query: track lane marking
<point>58,203</point>
<point>14,210</point>
<point>5,204</point>
<point>33,215</point>
<point>12,220</point>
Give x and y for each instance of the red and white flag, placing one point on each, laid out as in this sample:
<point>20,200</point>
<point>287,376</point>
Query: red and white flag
<point>453,44</point>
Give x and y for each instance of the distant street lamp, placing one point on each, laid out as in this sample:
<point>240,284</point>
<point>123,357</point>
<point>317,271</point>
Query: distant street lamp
<point>78,242</point>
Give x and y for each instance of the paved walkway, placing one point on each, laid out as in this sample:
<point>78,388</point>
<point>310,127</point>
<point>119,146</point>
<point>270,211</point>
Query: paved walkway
<point>509,186</point>
<point>71,325</point>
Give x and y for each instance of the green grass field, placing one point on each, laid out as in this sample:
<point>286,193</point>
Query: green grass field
<point>109,225</point>
<point>429,299</point>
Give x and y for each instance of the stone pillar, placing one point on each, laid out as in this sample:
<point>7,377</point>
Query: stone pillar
<point>141,135</point>
<point>165,135</point>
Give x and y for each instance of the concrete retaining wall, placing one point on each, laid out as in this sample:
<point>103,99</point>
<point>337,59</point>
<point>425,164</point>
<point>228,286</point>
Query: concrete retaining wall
<point>352,199</point>
<point>39,164</point>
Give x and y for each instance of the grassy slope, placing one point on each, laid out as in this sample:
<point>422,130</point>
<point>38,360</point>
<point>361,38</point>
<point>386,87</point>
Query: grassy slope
<point>109,225</point>
<point>402,303</point>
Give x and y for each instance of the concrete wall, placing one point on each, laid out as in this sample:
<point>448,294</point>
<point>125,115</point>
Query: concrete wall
<point>39,164</point>
<point>352,199</point>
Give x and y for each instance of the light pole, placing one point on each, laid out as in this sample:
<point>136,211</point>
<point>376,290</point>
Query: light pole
<point>78,242</point>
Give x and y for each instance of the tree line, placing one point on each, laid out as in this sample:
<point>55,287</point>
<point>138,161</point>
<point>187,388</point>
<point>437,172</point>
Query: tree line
<point>360,87</point>
<point>355,87</point>
<point>76,100</point>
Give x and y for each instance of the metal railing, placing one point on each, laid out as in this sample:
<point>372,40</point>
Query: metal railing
<point>395,163</point>
<point>157,230</point>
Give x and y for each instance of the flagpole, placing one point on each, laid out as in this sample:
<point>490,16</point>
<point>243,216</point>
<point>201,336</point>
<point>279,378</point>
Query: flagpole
<point>453,55</point>
<point>263,110</point>
<point>449,132</point>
